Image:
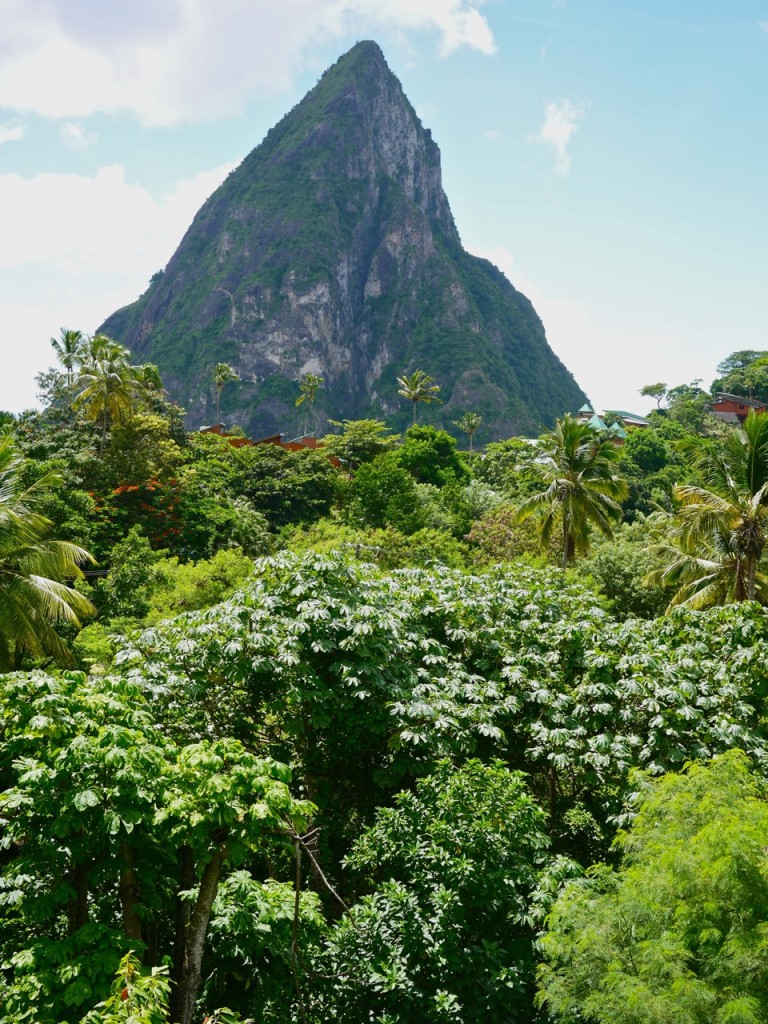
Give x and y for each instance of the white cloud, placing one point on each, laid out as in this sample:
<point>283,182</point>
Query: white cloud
<point>493,135</point>
<point>458,22</point>
<point>84,246</point>
<point>187,60</point>
<point>83,223</point>
<point>11,133</point>
<point>561,121</point>
<point>763,25</point>
<point>75,136</point>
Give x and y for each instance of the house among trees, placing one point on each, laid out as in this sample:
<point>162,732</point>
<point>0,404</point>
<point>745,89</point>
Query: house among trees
<point>734,408</point>
<point>621,421</point>
<point>628,419</point>
<point>238,441</point>
<point>298,444</point>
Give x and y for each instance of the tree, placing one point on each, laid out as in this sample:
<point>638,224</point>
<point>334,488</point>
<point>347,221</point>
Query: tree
<point>222,374</point>
<point>418,387</point>
<point>469,424</point>
<point>703,575</point>
<point>33,567</point>
<point>501,465</point>
<point>431,456</point>
<point>67,349</point>
<point>443,935</point>
<point>575,472</point>
<point>622,568</point>
<point>309,385</point>
<point>677,932</point>
<point>107,383</point>
<point>360,441</point>
<point>655,391</point>
<point>286,487</point>
<point>744,373</point>
<point>383,493</point>
<point>137,997</point>
<point>688,405</point>
<point>115,838</point>
<point>133,576</point>
<point>148,377</point>
<point>730,507</point>
<point>740,360</point>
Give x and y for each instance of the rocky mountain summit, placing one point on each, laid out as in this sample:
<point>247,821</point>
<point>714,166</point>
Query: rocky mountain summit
<point>332,249</point>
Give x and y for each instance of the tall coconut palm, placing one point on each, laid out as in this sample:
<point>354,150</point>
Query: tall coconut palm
<point>93,347</point>
<point>469,424</point>
<point>309,385</point>
<point>575,471</point>
<point>728,510</point>
<point>33,596</point>
<point>67,348</point>
<point>222,374</point>
<point>418,387</point>
<point>107,383</point>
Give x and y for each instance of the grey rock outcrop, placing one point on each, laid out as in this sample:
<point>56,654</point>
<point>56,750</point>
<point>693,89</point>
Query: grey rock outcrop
<point>332,250</point>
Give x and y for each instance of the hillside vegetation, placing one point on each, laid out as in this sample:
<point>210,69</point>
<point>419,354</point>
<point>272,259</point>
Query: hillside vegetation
<point>383,730</point>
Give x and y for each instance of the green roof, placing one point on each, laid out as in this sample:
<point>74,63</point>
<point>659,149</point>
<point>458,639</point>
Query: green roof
<point>596,423</point>
<point>626,415</point>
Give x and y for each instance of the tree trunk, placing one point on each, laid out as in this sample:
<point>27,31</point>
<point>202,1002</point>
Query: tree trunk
<point>188,973</point>
<point>751,574</point>
<point>566,543</point>
<point>77,910</point>
<point>187,881</point>
<point>129,894</point>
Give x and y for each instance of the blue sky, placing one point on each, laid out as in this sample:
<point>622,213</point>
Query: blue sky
<point>610,157</point>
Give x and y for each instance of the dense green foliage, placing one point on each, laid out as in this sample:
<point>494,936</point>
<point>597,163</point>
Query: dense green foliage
<point>443,934</point>
<point>350,780</point>
<point>678,931</point>
<point>134,817</point>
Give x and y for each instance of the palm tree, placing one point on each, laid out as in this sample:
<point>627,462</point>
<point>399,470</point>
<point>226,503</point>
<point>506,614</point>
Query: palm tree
<point>107,382</point>
<point>418,387</point>
<point>711,575</point>
<point>579,488</point>
<point>33,597</point>
<point>469,424</point>
<point>148,378</point>
<point>67,349</point>
<point>222,374</point>
<point>92,347</point>
<point>729,510</point>
<point>309,385</point>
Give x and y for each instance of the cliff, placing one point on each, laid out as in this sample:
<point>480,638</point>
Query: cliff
<point>332,249</point>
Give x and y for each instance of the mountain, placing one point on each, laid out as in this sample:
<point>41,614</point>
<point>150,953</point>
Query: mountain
<point>332,249</point>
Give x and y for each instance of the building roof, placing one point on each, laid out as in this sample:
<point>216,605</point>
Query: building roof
<point>629,417</point>
<point>754,403</point>
<point>586,408</point>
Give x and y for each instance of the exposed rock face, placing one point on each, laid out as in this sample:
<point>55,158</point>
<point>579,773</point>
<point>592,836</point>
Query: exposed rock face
<point>332,250</point>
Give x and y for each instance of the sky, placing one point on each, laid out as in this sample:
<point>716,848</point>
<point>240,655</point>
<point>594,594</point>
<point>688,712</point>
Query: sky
<point>610,157</point>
